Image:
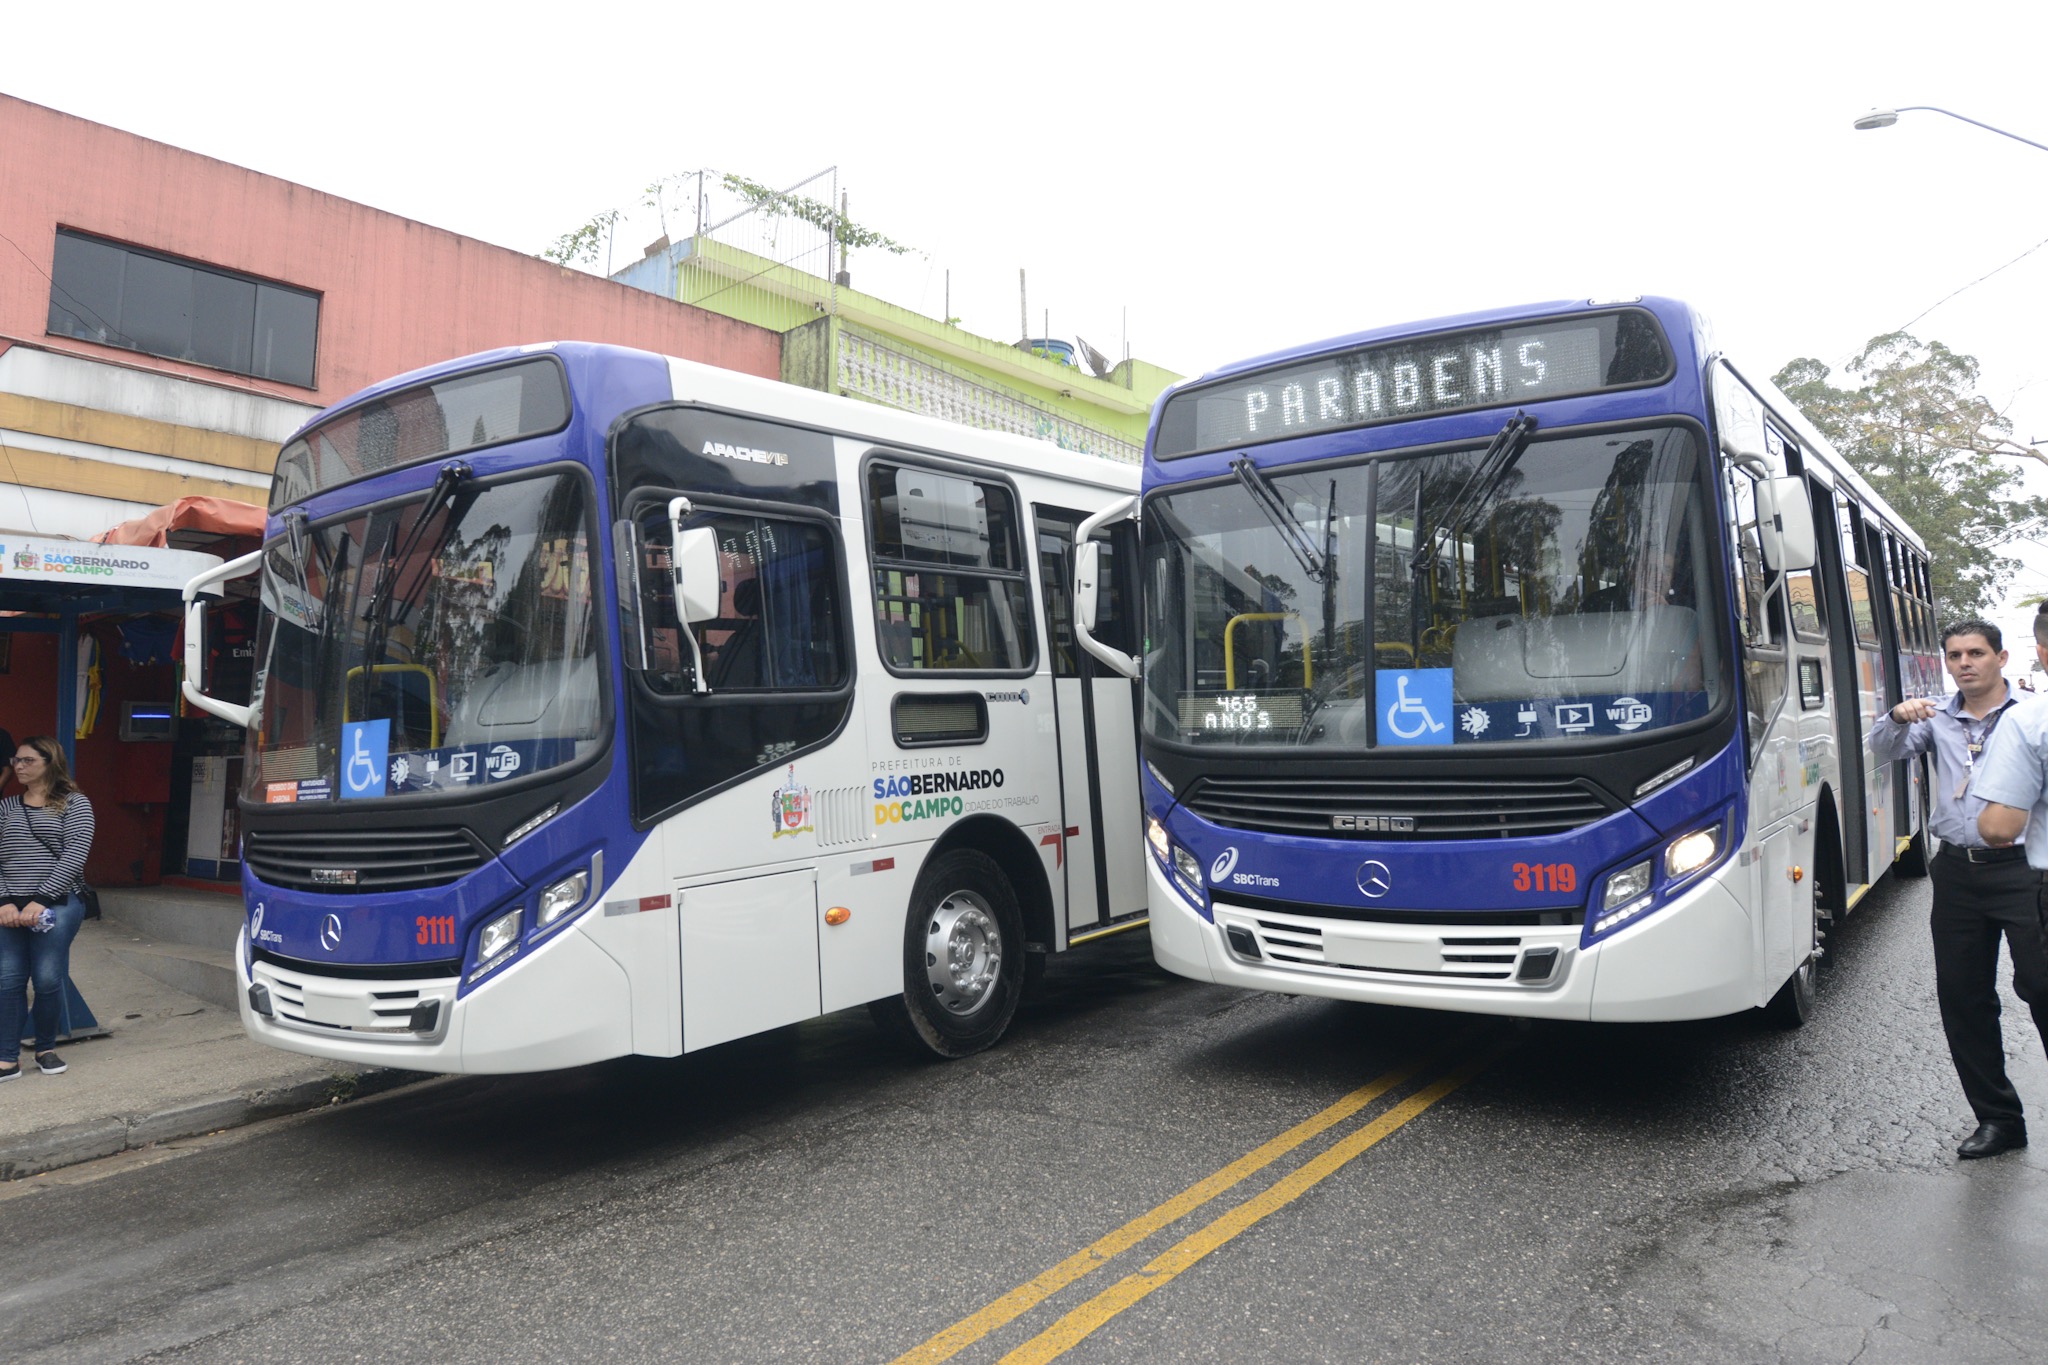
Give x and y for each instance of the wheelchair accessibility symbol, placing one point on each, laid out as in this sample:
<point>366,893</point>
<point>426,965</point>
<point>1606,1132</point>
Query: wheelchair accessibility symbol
<point>1418,705</point>
<point>365,756</point>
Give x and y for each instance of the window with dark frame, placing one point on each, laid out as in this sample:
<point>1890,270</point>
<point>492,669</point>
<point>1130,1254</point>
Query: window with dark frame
<point>160,305</point>
<point>950,583</point>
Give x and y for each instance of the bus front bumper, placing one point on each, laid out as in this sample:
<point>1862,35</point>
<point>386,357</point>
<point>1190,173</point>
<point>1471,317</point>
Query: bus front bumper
<point>1693,959</point>
<point>567,1003</point>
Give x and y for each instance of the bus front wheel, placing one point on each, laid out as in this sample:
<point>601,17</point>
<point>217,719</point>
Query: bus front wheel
<point>963,957</point>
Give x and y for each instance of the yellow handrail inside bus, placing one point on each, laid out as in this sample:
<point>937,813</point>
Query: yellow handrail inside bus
<point>433,708</point>
<point>1308,678</point>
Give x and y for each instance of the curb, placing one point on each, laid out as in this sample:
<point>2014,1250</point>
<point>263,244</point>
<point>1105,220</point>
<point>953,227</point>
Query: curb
<point>71,1143</point>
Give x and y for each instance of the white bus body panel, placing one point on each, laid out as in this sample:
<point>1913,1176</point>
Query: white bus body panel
<point>750,955</point>
<point>566,1004</point>
<point>1694,959</point>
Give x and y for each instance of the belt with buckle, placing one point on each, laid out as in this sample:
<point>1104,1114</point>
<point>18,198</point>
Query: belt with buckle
<point>1984,855</point>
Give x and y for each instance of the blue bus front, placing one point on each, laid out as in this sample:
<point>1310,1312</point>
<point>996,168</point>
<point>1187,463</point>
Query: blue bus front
<point>429,790</point>
<point>1440,706</point>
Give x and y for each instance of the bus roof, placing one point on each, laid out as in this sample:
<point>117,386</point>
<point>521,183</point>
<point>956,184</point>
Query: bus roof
<point>694,382</point>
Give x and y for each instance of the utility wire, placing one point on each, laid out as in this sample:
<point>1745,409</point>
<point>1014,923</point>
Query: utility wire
<point>1971,285</point>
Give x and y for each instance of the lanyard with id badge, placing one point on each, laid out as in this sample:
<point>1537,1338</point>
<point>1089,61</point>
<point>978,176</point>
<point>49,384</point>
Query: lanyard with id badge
<point>1974,742</point>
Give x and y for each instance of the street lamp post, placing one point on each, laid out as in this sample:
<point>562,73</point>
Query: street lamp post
<point>1885,118</point>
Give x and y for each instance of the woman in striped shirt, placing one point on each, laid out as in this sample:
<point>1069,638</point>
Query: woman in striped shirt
<point>45,834</point>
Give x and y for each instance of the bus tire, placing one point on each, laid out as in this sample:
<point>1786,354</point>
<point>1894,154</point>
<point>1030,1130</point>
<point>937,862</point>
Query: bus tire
<point>963,957</point>
<point>1792,1006</point>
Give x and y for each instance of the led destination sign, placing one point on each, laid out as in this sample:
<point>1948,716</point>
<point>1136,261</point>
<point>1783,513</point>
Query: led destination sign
<point>1419,378</point>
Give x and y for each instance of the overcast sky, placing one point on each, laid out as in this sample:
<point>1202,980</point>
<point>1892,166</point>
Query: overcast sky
<point>1232,179</point>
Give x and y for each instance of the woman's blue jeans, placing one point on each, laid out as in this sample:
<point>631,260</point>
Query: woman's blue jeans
<point>45,959</point>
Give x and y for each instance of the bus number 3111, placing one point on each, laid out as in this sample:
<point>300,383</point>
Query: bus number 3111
<point>1546,877</point>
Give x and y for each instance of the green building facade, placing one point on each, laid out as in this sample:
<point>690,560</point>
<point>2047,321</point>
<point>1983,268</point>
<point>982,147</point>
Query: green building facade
<point>838,340</point>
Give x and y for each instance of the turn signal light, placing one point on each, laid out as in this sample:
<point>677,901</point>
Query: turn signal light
<point>838,914</point>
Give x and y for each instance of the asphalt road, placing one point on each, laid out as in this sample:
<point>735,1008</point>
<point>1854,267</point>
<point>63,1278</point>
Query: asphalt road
<point>1146,1170</point>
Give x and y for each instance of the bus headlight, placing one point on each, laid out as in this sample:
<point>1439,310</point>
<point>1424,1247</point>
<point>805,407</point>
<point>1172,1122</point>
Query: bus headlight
<point>498,941</point>
<point>1689,853</point>
<point>1185,866</point>
<point>1627,895</point>
<point>1625,885</point>
<point>564,896</point>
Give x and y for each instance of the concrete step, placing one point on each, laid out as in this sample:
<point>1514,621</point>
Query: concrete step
<point>200,973</point>
<point>165,914</point>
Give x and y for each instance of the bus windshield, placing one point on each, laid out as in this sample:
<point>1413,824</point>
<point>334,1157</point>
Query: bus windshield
<point>439,644</point>
<point>1554,588</point>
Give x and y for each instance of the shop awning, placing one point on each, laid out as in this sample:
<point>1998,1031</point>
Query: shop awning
<point>191,524</point>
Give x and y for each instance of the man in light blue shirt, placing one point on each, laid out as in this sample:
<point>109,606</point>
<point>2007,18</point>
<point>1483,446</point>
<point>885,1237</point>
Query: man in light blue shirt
<point>2001,776</point>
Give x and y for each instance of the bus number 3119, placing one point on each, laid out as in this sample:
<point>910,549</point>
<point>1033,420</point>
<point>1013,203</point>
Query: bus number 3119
<point>1546,877</point>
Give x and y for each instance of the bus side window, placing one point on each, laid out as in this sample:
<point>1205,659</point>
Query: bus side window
<point>1756,607</point>
<point>949,580</point>
<point>1760,613</point>
<point>777,626</point>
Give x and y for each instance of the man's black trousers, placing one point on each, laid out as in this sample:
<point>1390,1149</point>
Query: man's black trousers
<point>1975,905</point>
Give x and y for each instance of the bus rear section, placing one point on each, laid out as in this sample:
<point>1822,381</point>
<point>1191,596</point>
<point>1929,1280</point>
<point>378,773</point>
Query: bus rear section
<point>586,727</point>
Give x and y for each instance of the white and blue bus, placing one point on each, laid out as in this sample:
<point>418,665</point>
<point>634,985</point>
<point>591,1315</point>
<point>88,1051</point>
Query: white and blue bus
<point>1516,663</point>
<point>607,703</point>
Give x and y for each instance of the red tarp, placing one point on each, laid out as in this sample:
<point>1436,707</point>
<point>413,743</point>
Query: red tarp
<point>212,516</point>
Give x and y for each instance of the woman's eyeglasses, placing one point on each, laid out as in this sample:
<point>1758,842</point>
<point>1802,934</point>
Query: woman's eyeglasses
<point>18,760</point>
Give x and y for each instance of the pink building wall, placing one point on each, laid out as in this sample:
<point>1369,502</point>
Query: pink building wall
<point>396,294</point>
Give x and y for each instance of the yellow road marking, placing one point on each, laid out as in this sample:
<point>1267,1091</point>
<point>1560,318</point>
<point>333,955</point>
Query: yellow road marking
<point>1025,1297</point>
<point>1057,1339</point>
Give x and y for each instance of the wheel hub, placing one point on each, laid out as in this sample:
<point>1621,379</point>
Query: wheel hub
<point>963,953</point>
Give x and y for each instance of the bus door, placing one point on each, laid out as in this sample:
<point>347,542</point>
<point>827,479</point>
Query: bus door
<point>1096,718</point>
<point>1858,680</point>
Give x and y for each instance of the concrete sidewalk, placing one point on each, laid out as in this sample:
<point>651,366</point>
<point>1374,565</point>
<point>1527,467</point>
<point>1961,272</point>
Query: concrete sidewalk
<point>175,1061</point>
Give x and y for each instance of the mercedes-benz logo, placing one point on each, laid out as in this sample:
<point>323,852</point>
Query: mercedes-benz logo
<point>330,932</point>
<point>1374,879</point>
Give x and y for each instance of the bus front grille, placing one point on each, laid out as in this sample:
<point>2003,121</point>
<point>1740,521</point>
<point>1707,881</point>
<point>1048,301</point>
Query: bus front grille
<point>362,861</point>
<point>1400,808</point>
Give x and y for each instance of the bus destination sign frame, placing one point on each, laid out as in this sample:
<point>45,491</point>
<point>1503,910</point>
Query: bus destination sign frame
<point>1558,357</point>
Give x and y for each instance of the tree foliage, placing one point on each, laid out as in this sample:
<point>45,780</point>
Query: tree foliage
<point>1915,426</point>
<point>581,246</point>
<point>779,204</point>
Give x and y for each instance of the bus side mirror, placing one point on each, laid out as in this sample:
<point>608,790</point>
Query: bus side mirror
<point>1087,587</point>
<point>1087,577</point>
<point>1788,540</point>
<point>697,588</point>
<point>693,555</point>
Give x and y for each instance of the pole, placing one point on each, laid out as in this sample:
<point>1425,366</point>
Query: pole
<point>67,686</point>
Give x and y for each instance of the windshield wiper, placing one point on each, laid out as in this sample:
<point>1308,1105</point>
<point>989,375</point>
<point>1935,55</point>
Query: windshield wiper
<point>1479,487</point>
<point>295,539</point>
<point>446,485</point>
<point>1313,560</point>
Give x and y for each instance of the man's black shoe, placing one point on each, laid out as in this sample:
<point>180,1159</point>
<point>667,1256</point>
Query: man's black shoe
<point>1992,1137</point>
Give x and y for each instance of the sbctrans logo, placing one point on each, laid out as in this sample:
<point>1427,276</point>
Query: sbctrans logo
<point>259,934</point>
<point>1225,861</point>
